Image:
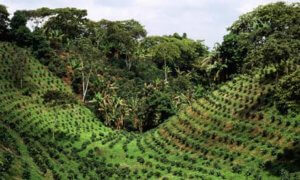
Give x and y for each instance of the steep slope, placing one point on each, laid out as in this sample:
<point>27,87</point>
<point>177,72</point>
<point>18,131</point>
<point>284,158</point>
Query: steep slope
<point>42,131</point>
<point>228,134</point>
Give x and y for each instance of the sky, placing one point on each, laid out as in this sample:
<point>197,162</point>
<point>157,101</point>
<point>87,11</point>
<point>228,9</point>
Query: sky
<point>201,19</point>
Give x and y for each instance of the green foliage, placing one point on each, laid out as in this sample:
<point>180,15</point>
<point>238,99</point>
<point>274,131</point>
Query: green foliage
<point>41,47</point>
<point>183,51</point>
<point>199,91</point>
<point>165,53</point>
<point>273,51</point>
<point>24,37</point>
<point>69,22</point>
<point>120,39</point>
<point>112,108</point>
<point>85,61</point>
<point>147,71</point>
<point>18,20</point>
<point>267,35</point>
<point>21,34</point>
<point>288,92</point>
<point>4,21</point>
<point>92,55</point>
<point>158,107</point>
<point>286,163</point>
<point>21,68</point>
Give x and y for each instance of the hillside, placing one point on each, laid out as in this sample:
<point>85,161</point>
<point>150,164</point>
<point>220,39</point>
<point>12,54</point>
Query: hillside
<point>228,134</point>
<point>102,100</point>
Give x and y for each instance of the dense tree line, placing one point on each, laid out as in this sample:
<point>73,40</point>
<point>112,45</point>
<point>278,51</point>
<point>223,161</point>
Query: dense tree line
<point>266,38</point>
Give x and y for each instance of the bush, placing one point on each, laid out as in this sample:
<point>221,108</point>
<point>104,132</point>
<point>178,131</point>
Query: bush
<point>26,173</point>
<point>140,160</point>
<point>158,107</point>
<point>287,92</point>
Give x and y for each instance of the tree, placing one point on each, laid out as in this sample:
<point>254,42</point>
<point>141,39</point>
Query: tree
<point>122,39</point>
<point>189,50</point>
<point>20,32</point>
<point>23,36</point>
<point>166,53</point>
<point>41,46</point>
<point>19,19</point>
<point>67,21</point>
<point>288,92</point>
<point>86,59</point>
<point>215,70</point>
<point>267,35</point>
<point>158,107</point>
<point>4,21</point>
<point>20,67</point>
<point>58,25</point>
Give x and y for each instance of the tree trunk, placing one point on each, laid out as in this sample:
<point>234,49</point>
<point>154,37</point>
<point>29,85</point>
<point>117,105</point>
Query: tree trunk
<point>86,85</point>
<point>128,63</point>
<point>85,90</point>
<point>166,75</point>
<point>83,85</point>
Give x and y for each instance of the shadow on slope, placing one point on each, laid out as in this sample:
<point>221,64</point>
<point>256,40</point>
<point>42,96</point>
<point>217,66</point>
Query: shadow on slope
<point>288,161</point>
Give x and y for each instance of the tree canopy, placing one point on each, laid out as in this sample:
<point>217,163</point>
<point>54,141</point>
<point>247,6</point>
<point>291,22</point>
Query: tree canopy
<point>4,22</point>
<point>269,34</point>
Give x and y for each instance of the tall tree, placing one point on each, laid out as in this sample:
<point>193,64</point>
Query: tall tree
<point>190,50</point>
<point>20,67</point>
<point>21,33</point>
<point>122,38</point>
<point>267,29</point>
<point>67,21</point>
<point>166,53</point>
<point>4,21</point>
<point>86,61</point>
<point>58,25</point>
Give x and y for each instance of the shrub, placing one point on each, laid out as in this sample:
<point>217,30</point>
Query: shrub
<point>140,160</point>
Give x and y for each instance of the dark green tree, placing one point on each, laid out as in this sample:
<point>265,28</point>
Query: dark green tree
<point>20,32</point>
<point>69,22</point>
<point>166,54</point>
<point>158,107</point>
<point>267,35</point>
<point>288,92</point>
<point>20,67</point>
<point>4,22</point>
<point>122,39</point>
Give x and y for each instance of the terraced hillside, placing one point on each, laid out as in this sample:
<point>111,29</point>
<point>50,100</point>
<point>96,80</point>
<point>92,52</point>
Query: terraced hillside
<point>228,134</point>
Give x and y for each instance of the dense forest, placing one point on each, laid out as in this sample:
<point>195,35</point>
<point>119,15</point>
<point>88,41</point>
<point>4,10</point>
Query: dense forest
<point>83,99</point>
